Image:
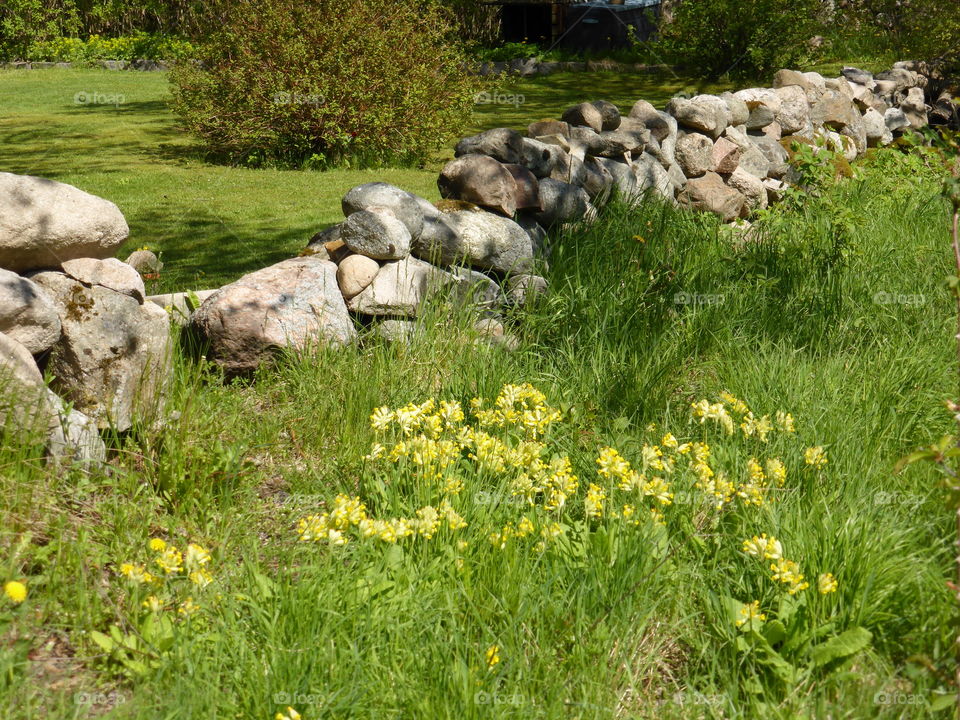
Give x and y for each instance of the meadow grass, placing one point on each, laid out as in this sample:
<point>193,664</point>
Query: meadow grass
<point>833,310</point>
<point>214,223</point>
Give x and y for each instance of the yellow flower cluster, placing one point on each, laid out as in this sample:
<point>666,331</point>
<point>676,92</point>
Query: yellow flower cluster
<point>750,612</point>
<point>827,584</point>
<point>291,714</point>
<point>553,481</point>
<point>348,512</point>
<point>520,406</point>
<point>525,528</point>
<point>783,570</point>
<point>750,425</point>
<point>815,457</point>
<point>174,565</point>
<point>612,466</point>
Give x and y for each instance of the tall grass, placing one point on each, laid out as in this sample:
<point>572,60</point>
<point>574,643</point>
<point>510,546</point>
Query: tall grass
<point>650,309</point>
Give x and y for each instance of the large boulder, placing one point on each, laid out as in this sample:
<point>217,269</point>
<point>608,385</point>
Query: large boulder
<point>113,359</point>
<point>609,114</point>
<point>561,202</point>
<point>750,186</point>
<point>838,112</point>
<point>548,127</point>
<point>74,438</point>
<point>480,239</point>
<point>377,233</point>
<point>598,182</point>
<point>479,179</point>
<point>876,129</point>
<point>293,304</point>
<point>27,313</point>
<point>500,143</point>
<point>653,119</point>
<point>763,105</point>
<point>652,176</point>
<point>624,180</point>
<point>794,113</point>
<point>915,108</point>
<point>710,194</point>
<point>726,156</point>
<point>109,273</point>
<point>43,223</point>
<point>707,113</point>
<point>407,207</point>
<point>540,157</point>
<point>584,114</point>
<point>694,154</point>
<point>528,189</point>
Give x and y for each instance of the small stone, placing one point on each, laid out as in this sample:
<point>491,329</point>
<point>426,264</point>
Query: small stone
<point>355,273</point>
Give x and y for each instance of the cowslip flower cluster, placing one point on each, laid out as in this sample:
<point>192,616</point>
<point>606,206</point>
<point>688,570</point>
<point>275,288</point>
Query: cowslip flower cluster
<point>174,566</point>
<point>827,583</point>
<point>613,467</point>
<point>750,613</point>
<point>816,457</point>
<point>548,532</point>
<point>750,425</point>
<point>350,514</point>
<point>782,570</point>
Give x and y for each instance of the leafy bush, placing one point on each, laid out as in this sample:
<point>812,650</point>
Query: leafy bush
<point>25,21</point>
<point>326,83</point>
<point>140,45</point>
<point>741,38</point>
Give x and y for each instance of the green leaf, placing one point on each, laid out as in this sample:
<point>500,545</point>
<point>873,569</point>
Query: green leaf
<point>842,646</point>
<point>940,702</point>
<point>774,632</point>
<point>104,642</point>
<point>265,585</point>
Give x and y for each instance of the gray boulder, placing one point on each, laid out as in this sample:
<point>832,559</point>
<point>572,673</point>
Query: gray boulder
<point>548,127</point>
<point>651,176</point>
<point>43,223</point>
<point>598,182</point>
<point>915,108</point>
<point>609,114</point>
<point>24,400</point>
<point>707,113</point>
<point>500,143</point>
<point>400,289</point>
<point>584,114</point>
<point>652,119</point>
<point>113,360</point>
<point>737,111</point>
<point>377,233</point>
<point>624,180</point>
<point>480,239</point>
<point>523,289</point>
<point>144,262</point>
<point>406,207</point>
<point>750,186</point>
<point>528,189</point>
<point>561,202</point>
<point>876,129</point>
<point>28,314</point>
<point>896,119</point>
<point>540,158</point>
<point>794,113</point>
<point>694,154</point>
<point>294,304</point>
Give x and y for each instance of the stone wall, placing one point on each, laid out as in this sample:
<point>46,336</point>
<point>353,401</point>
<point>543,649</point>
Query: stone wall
<point>67,307</point>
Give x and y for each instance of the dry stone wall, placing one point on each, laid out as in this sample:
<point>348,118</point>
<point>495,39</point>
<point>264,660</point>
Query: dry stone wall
<point>69,308</point>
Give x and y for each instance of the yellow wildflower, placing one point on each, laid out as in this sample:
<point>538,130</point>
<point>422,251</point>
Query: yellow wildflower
<point>492,656</point>
<point>593,503</point>
<point>749,613</point>
<point>16,591</point>
<point>196,557</point>
<point>290,715</point>
<point>170,560</point>
<point>827,584</point>
<point>777,471</point>
<point>381,418</point>
<point>137,573</point>
<point>763,547</point>
<point>785,421</point>
<point>201,578</point>
<point>157,545</point>
<point>153,604</point>
<point>815,457</point>
<point>788,572</point>
<point>188,607</point>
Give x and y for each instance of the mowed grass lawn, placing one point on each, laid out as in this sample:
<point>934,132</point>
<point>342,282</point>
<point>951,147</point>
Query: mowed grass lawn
<point>112,134</point>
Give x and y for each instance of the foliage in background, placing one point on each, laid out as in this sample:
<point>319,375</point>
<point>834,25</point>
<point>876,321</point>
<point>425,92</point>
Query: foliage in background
<point>741,38</point>
<point>912,29</point>
<point>326,84</point>
<point>150,46</point>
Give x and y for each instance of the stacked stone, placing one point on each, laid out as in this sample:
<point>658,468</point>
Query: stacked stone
<point>70,310</point>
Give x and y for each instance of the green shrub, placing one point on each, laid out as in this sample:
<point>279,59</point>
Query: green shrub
<point>742,38</point>
<point>326,83</point>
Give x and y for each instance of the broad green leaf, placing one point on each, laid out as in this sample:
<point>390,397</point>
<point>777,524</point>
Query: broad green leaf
<point>104,642</point>
<point>940,702</point>
<point>774,632</point>
<point>842,646</point>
